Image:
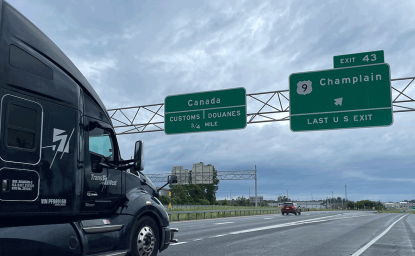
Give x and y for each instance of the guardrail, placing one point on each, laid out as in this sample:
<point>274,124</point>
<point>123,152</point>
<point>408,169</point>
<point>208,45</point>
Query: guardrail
<point>255,211</point>
<point>194,206</point>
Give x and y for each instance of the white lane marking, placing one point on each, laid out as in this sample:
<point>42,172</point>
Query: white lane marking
<point>364,248</point>
<point>179,243</point>
<point>219,235</point>
<point>223,223</point>
<point>322,219</point>
<point>268,218</point>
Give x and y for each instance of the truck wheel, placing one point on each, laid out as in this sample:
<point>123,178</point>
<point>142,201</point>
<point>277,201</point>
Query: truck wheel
<point>295,213</point>
<point>299,213</point>
<point>145,240</point>
<point>282,213</point>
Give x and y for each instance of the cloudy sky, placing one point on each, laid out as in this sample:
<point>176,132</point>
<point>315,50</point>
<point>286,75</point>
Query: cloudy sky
<point>138,52</point>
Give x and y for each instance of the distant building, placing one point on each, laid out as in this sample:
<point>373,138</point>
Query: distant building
<point>391,205</point>
<point>403,204</point>
<point>260,199</point>
<point>182,175</point>
<point>202,174</point>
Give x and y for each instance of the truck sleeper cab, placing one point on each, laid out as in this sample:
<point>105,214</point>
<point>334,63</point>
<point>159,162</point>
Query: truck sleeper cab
<point>65,190</point>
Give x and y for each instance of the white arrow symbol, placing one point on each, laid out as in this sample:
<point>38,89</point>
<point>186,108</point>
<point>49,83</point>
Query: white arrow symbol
<point>338,101</point>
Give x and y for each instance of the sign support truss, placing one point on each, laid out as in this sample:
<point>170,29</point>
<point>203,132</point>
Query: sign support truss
<point>221,175</point>
<point>272,106</point>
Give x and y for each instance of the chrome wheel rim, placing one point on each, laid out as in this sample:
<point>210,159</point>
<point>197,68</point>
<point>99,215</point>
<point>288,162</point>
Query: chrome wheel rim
<point>145,241</point>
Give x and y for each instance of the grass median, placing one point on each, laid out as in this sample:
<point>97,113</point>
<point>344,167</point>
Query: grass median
<point>397,211</point>
<point>224,212</point>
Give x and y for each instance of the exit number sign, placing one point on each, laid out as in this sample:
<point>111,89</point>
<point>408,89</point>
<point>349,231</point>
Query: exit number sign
<point>358,59</point>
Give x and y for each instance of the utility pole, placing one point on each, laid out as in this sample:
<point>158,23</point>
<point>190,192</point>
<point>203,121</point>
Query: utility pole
<point>332,197</point>
<point>256,196</point>
<point>230,195</point>
<point>345,192</point>
<point>249,201</point>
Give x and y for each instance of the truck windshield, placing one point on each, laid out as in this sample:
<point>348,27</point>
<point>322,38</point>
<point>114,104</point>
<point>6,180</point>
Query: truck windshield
<point>100,142</point>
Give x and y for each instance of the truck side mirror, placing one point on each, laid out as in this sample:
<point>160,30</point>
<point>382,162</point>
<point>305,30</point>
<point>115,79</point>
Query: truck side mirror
<point>139,156</point>
<point>172,179</point>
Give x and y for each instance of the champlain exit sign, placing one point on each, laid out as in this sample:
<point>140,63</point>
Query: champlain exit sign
<point>353,97</point>
<point>358,59</point>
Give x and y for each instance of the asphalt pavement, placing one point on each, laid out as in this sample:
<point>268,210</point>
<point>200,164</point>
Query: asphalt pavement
<point>311,233</point>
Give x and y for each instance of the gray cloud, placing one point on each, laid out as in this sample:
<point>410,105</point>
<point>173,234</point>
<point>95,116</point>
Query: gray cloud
<point>138,52</point>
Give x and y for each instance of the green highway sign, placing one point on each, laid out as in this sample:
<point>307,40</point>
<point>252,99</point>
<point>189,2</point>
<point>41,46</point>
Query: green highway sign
<point>341,98</point>
<point>205,111</point>
<point>358,59</point>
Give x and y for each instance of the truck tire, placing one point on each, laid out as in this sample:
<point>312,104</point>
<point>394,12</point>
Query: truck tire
<point>145,238</point>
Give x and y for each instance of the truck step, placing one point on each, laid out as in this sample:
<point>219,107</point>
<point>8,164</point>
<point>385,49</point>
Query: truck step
<point>173,230</point>
<point>113,253</point>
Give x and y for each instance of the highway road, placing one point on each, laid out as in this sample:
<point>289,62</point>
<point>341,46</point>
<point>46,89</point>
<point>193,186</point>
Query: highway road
<point>311,233</point>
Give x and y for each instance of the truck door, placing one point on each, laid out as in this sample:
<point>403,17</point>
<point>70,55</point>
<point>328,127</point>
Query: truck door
<point>102,183</point>
<point>20,153</point>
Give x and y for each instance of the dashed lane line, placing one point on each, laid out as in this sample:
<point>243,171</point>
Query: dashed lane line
<point>223,223</point>
<point>179,243</point>
<point>219,235</point>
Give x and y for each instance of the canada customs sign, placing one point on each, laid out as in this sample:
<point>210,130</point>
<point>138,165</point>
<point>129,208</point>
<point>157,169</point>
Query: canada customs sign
<point>205,111</point>
<point>353,97</point>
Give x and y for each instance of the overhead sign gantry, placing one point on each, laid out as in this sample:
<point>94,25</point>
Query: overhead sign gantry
<point>276,106</point>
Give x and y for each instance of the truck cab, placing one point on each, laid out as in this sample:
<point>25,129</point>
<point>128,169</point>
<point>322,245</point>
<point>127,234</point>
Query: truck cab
<point>64,187</point>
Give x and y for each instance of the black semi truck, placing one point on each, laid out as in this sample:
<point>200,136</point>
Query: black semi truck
<point>65,190</point>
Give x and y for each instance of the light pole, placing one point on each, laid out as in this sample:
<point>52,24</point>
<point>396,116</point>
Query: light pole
<point>256,196</point>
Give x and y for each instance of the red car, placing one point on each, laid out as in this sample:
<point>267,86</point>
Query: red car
<point>290,207</point>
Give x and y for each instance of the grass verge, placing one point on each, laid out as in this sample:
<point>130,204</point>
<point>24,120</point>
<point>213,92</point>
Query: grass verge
<point>214,215</point>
